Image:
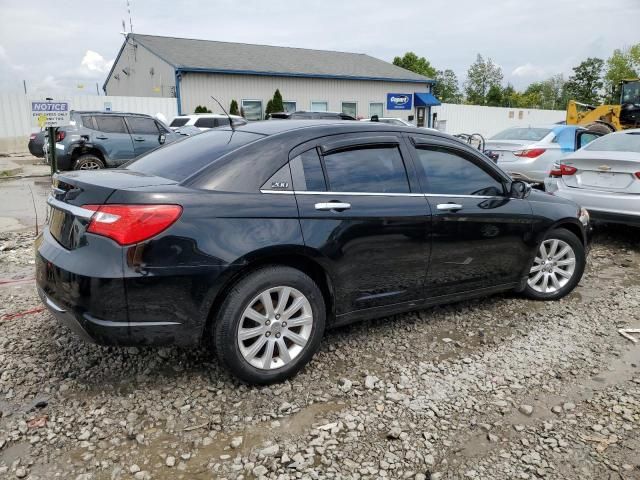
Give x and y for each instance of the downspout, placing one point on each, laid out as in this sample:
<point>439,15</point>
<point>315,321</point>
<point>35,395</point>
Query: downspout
<point>178,100</point>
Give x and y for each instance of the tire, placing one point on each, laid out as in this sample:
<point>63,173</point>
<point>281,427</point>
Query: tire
<point>244,309</point>
<point>564,241</point>
<point>88,162</point>
<point>598,127</point>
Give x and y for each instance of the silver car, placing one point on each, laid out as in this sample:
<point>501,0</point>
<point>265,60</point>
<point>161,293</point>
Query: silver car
<point>528,153</point>
<point>604,177</point>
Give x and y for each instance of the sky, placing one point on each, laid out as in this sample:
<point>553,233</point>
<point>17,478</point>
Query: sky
<point>65,48</point>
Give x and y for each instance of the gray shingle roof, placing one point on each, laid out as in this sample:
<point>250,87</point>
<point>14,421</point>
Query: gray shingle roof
<point>189,54</point>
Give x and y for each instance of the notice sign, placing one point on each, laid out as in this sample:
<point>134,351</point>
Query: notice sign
<point>49,114</point>
<point>399,101</point>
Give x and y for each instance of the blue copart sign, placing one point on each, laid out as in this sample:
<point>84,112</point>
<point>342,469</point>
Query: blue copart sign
<point>399,101</point>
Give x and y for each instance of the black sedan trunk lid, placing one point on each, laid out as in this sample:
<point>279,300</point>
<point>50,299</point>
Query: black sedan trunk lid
<point>67,218</point>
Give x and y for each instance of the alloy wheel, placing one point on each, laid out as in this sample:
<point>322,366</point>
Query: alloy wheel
<point>90,165</point>
<point>275,327</point>
<point>553,267</point>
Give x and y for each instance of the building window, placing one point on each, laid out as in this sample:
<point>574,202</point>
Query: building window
<point>289,106</point>
<point>376,109</point>
<point>350,108</point>
<point>252,109</point>
<point>319,106</point>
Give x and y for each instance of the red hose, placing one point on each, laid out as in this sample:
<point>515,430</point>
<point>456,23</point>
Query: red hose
<point>10,316</point>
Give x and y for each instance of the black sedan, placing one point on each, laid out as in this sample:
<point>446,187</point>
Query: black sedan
<point>254,240</point>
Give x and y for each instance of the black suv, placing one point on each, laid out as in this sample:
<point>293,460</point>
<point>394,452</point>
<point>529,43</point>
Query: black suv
<point>256,239</point>
<point>304,115</point>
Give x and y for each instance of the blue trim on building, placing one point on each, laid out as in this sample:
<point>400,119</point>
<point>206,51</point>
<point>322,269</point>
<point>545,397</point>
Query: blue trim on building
<point>178,77</point>
<point>302,75</point>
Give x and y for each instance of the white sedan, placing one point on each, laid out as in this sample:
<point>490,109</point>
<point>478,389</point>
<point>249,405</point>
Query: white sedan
<point>604,177</point>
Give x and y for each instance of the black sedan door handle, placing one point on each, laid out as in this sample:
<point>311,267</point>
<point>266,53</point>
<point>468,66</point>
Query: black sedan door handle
<point>338,206</point>
<point>139,139</point>
<point>449,206</point>
<point>102,138</point>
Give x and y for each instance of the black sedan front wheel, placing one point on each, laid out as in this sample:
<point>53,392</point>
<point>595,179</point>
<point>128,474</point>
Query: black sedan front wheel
<point>558,266</point>
<point>270,325</point>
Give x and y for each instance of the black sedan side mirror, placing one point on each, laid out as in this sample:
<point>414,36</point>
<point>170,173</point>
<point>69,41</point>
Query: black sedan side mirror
<point>162,138</point>
<point>519,189</point>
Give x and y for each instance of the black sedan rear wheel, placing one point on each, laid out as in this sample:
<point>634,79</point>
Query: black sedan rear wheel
<point>270,325</point>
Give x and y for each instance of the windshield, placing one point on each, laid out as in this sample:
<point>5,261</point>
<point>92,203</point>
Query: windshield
<point>183,158</point>
<point>617,142</point>
<point>630,93</point>
<point>179,121</point>
<point>531,134</point>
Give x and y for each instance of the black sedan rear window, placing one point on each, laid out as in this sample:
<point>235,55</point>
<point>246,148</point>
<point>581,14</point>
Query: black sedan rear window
<point>183,158</point>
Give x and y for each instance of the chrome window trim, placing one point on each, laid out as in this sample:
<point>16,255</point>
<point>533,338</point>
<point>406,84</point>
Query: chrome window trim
<point>72,209</point>
<point>377,194</point>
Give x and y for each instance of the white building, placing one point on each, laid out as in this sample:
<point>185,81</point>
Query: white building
<point>193,71</point>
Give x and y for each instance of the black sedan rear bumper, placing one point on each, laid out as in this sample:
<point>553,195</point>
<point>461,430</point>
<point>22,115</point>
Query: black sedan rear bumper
<point>94,306</point>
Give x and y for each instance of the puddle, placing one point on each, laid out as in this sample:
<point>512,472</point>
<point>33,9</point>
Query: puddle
<point>620,370</point>
<point>151,457</point>
<point>14,451</point>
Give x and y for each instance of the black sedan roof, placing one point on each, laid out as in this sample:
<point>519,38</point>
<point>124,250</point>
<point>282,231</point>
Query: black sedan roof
<point>267,127</point>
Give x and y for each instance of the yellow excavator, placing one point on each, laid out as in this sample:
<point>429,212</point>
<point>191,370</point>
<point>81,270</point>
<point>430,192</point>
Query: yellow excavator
<point>609,118</point>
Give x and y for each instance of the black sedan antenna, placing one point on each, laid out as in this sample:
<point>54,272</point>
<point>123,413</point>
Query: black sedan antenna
<point>225,112</point>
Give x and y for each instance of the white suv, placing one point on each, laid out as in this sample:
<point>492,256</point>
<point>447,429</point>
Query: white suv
<point>205,121</point>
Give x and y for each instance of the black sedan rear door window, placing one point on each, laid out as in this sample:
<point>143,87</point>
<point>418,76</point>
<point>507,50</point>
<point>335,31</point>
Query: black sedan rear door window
<point>448,173</point>
<point>374,170</point>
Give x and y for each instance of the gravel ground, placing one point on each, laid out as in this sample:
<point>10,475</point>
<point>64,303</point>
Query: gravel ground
<point>498,388</point>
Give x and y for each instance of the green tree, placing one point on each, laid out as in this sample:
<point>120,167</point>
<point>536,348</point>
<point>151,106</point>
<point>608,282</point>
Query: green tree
<point>481,76</point>
<point>620,65</point>
<point>233,108</point>
<point>269,109</point>
<point>494,96</point>
<point>510,97</point>
<point>585,85</point>
<point>276,103</point>
<point>446,88</point>
<point>201,109</point>
<point>634,53</point>
<point>419,65</point>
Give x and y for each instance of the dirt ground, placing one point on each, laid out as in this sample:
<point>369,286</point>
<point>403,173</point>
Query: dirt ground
<point>497,388</point>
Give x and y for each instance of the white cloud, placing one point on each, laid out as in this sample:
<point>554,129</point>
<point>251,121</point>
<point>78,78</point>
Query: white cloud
<point>529,70</point>
<point>7,62</point>
<point>96,63</point>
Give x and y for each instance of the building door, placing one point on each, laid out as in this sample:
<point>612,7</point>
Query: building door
<point>420,113</point>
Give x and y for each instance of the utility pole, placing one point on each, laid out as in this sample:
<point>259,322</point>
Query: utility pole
<point>24,84</point>
<point>52,146</point>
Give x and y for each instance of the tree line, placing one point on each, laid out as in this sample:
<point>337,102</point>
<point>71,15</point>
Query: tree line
<point>593,81</point>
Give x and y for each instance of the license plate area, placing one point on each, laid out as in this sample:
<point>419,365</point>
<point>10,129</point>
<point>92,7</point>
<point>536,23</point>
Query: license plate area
<point>66,228</point>
<point>617,181</point>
